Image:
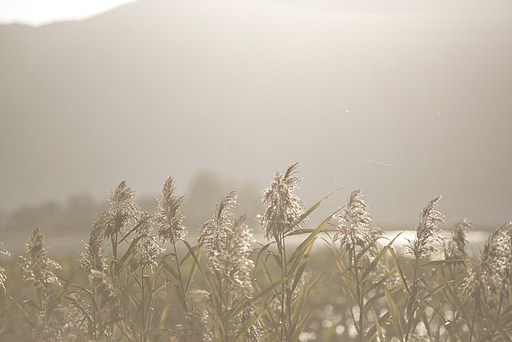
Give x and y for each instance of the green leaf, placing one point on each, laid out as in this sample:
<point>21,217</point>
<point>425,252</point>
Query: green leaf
<point>158,270</point>
<point>442,262</point>
<point>79,307</point>
<point>181,297</point>
<point>195,266</point>
<point>250,322</point>
<point>300,327</point>
<point>433,292</point>
<point>375,261</point>
<point>25,315</point>
<point>398,268</point>
<point>134,228</point>
<point>6,312</point>
<point>31,303</point>
<point>394,313</point>
<point>300,249</point>
<point>161,324</point>
<point>128,253</point>
<point>192,252</point>
<point>298,304</point>
<point>301,263</point>
<point>262,249</point>
<point>173,271</point>
<point>452,297</point>
<point>377,325</point>
<point>247,303</point>
<point>496,325</point>
<point>373,330</point>
<point>373,264</point>
<point>125,331</point>
<point>313,208</point>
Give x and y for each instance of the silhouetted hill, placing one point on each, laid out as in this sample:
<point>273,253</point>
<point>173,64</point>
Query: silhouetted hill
<point>405,102</point>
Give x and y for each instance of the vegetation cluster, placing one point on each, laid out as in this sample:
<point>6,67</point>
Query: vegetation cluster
<point>139,279</point>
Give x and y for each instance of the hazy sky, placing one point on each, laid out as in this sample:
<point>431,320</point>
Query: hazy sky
<point>404,99</point>
<point>40,12</point>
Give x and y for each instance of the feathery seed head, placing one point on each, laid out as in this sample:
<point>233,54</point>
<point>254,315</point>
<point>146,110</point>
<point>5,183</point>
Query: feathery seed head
<point>214,231</point>
<point>169,216</point>
<point>427,231</point>
<point>231,260</point>
<point>196,328</point>
<point>488,276</point>
<point>146,249</point>
<point>93,258</point>
<point>3,277</point>
<point>106,297</point>
<point>255,333</point>
<point>283,207</point>
<point>456,246</point>
<point>37,267</point>
<point>356,227</point>
<point>123,210</point>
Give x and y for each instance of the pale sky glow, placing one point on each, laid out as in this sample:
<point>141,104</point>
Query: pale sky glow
<point>37,12</point>
<point>406,100</point>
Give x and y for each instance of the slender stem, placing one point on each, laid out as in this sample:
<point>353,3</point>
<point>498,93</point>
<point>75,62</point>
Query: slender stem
<point>412,301</point>
<point>179,268</point>
<point>142,304</point>
<point>473,320</point>
<point>360,299</point>
<point>280,246</point>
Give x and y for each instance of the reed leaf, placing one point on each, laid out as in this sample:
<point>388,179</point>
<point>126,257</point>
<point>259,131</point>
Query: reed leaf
<point>161,323</point>
<point>395,318</point>
<point>377,326</point>
<point>370,335</point>
<point>181,297</point>
<point>398,268</point>
<point>250,322</point>
<point>302,324</point>
<point>195,265</point>
<point>25,315</point>
<point>248,303</point>
<point>121,325</point>
<point>299,301</point>
<point>172,270</point>
<point>300,249</point>
<point>496,325</point>
<point>127,254</point>
<point>301,263</point>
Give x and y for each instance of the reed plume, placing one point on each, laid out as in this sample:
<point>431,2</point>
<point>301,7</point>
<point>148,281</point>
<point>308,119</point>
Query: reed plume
<point>123,210</point>
<point>456,245</point>
<point>37,268</point>
<point>283,207</point>
<point>106,297</point>
<point>198,319</point>
<point>94,257</point>
<point>355,229</point>
<point>427,231</point>
<point>488,276</point>
<point>213,232</point>
<point>3,277</point>
<point>169,215</point>
<point>146,248</point>
<point>227,241</point>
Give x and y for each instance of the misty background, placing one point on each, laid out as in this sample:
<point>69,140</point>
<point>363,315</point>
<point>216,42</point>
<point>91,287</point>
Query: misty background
<point>403,99</point>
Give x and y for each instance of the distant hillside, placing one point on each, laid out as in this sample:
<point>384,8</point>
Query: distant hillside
<point>404,100</point>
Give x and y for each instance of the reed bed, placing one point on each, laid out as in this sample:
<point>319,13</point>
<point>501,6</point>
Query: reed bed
<point>140,279</point>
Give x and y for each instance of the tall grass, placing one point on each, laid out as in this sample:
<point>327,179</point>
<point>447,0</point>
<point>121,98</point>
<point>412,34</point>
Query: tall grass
<point>139,279</point>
